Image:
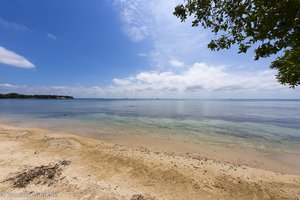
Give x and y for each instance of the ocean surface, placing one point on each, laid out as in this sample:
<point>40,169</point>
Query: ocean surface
<point>266,125</point>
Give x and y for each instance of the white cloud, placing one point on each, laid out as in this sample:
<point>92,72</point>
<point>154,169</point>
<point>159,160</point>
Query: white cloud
<point>130,13</point>
<point>51,36</point>
<point>11,58</point>
<point>13,26</point>
<point>200,77</point>
<point>176,63</point>
<point>153,21</point>
<point>142,54</point>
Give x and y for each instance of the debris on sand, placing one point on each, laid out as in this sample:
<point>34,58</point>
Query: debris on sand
<point>41,174</point>
<point>142,197</point>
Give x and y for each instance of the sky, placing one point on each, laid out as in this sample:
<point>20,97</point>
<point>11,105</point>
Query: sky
<point>122,49</point>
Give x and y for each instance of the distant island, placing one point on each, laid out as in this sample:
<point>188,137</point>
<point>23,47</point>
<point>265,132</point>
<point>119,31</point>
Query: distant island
<point>24,96</point>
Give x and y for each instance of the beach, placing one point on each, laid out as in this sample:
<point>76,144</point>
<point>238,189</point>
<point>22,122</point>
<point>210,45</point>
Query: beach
<point>149,100</point>
<point>39,163</point>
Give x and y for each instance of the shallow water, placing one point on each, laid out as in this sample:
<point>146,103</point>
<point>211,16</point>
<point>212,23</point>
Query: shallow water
<point>265,125</point>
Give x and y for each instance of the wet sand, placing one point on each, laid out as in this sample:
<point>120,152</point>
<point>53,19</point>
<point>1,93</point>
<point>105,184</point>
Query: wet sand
<point>42,164</point>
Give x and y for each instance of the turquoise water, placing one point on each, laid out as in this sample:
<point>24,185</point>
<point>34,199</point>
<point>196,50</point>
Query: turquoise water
<point>261,124</point>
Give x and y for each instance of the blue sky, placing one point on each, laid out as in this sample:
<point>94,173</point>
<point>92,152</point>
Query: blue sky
<point>121,48</point>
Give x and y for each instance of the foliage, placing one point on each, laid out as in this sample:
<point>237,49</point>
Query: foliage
<point>270,26</point>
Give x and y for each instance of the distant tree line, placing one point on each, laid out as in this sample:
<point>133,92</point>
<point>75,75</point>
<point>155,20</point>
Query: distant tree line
<point>23,96</point>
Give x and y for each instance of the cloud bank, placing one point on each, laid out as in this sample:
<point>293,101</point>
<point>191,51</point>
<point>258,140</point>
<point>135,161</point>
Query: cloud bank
<point>197,81</point>
<point>199,77</point>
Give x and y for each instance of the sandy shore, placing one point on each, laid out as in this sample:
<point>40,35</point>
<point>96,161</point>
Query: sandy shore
<point>39,164</point>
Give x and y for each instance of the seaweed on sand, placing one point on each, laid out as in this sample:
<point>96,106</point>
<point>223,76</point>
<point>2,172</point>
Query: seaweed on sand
<point>39,174</point>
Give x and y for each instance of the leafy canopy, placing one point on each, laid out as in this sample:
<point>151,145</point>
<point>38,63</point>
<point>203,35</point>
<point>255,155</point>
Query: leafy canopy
<point>272,25</point>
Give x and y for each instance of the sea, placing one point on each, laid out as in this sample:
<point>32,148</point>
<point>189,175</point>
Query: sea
<point>265,125</point>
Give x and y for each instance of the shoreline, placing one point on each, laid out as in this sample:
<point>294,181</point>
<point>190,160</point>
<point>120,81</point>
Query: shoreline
<point>99,169</point>
<point>281,157</point>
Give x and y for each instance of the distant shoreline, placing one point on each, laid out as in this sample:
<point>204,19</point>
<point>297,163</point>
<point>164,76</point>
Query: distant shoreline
<point>24,96</point>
